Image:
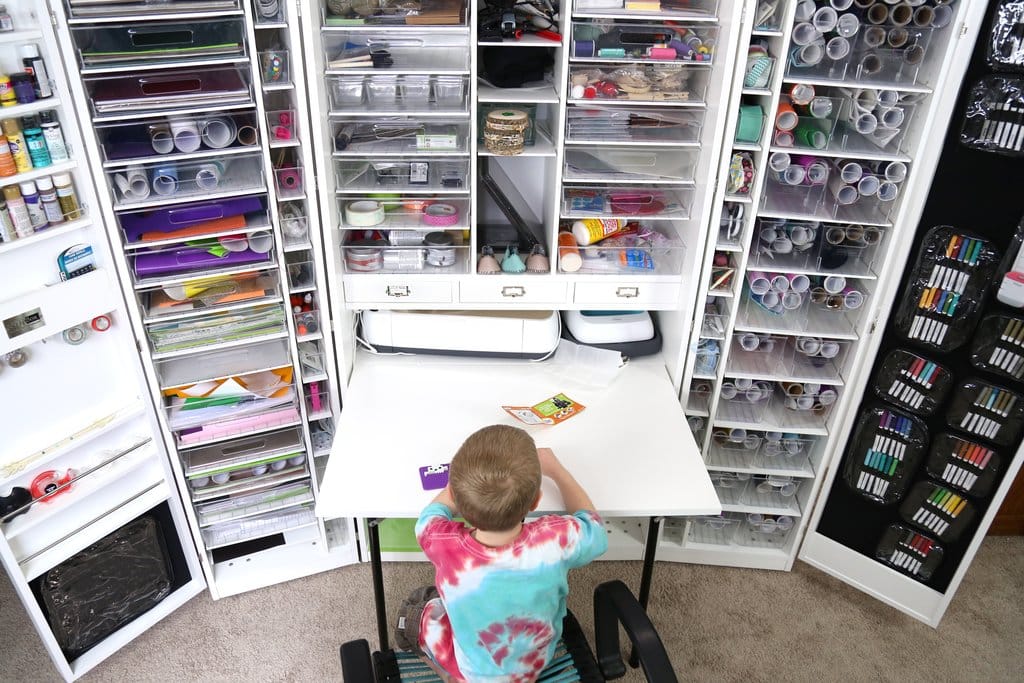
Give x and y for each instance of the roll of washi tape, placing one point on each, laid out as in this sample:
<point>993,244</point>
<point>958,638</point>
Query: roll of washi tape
<point>364,213</point>
<point>165,180</point>
<point>219,132</point>
<point>751,119</point>
<point>16,358</point>
<point>440,251</point>
<point>160,138</point>
<point>101,323</point>
<point>440,215</point>
<point>74,335</point>
<point>186,135</point>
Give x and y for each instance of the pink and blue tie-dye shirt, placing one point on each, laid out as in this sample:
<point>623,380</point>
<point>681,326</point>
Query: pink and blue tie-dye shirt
<point>502,609</point>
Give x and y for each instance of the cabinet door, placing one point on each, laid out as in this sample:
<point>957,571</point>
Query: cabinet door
<point>906,501</point>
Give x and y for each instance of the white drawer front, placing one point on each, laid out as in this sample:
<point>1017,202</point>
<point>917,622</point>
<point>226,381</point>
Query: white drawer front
<point>499,289</point>
<point>374,290</point>
<point>628,292</point>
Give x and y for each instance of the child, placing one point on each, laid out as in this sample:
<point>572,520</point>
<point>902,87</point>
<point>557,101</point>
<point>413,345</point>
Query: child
<point>496,614</point>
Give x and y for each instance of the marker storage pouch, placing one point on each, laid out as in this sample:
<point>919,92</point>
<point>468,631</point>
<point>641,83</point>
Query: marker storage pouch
<point>999,346</point>
<point>909,552</point>
<point>938,510</point>
<point>963,465</point>
<point>884,454</point>
<point>1005,47</point>
<point>912,382</point>
<point>987,411</point>
<point>994,118</point>
<point>946,289</point>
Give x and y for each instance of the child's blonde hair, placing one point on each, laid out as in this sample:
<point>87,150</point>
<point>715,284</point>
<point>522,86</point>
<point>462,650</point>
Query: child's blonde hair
<point>495,477</point>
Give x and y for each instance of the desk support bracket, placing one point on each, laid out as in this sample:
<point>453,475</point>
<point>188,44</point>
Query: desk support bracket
<point>373,534</point>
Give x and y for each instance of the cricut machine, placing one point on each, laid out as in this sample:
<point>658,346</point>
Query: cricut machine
<point>495,334</point>
<point>631,333</point>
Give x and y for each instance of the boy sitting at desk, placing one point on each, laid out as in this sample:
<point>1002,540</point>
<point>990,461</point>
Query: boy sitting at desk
<point>496,613</point>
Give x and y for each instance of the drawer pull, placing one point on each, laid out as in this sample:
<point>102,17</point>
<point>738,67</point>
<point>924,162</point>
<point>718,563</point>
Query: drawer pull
<point>397,290</point>
<point>627,292</point>
<point>513,291</point>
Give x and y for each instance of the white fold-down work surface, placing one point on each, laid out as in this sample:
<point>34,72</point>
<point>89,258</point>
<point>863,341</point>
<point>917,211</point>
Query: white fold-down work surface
<point>630,448</point>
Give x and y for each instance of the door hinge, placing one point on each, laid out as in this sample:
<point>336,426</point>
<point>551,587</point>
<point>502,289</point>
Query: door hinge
<point>963,29</point>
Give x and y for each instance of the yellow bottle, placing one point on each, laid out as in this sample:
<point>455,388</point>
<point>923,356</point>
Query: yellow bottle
<point>16,143</point>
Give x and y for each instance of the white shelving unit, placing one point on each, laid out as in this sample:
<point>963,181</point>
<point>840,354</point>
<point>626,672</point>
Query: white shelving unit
<point>76,411</point>
<point>208,195</point>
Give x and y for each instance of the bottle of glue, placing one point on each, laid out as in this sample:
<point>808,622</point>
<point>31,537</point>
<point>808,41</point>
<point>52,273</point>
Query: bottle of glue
<point>593,230</point>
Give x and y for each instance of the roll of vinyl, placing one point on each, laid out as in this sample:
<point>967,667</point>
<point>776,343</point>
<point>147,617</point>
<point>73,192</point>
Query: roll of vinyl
<point>160,138</point>
<point>165,180</point>
<point>895,171</point>
<point>852,298</point>
<point>804,34</point>
<point>234,242</point>
<point>779,161</point>
<point>208,175</point>
<point>891,118</point>
<point>364,213</point>
<point>874,36</point>
<point>870,64</point>
<point>867,186</point>
<point>799,283</point>
<point>786,117</point>
<point>219,132</point>
<point>837,48</point>
<point>759,282</point>
<point>877,14</point>
<point>133,184</point>
<point>440,215</point>
<point>794,175</point>
<point>844,194</point>
<point>824,19</point>
<point>247,135</point>
<point>834,284</point>
<point>897,37</point>
<point>261,241</point>
<point>186,135</point>
<point>810,54</point>
<point>849,171</point>
<point>848,25</point>
<point>792,300</point>
<point>887,191</point>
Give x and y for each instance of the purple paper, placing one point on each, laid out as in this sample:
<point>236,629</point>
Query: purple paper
<point>181,216</point>
<point>434,477</point>
<point>171,261</point>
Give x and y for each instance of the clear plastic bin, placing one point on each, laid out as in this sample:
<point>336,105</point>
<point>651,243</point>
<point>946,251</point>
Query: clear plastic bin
<point>402,174</point>
<point>410,93</point>
<point>172,181</point>
<point>657,43</point>
<point>817,357</point>
<point>277,522</point>
<point>706,357</point>
<point>630,165</point>
<point>664,83</point>
<point>389,14</point>
<point>125,95</point>
<point>301,273</point>
<point>759,354</point>
<point>294,223</point>
<point>744,400</point>
<point>240,455</point>
<point>785,451</point>
<point>318,400</point>
<point>307,324</point>
<point>733,448</point>
<point>213,328</point>
<point>439,51</point>
<point>758,530</point>
<point>653,251</point>
<point>729,486</point>
<point>283,127</point>
<point>289,180</point>
<point>407,214</point>
<point>772,492</point>
<point>135,44</point>
<point>122,143</point>
<point>714,323</point>
<point>182,268</point>
<point>699,397</point>
<point>713,529</point>
<point>275,67</point>
<point>600,124</point>
<point>142,8</point>
<point>400,136</point>
<point>619,201</point>
<point>206,294</point>
<point>244,505</point>
<point>414,260</point>
<point>813,126</point>
<point>806,405</point>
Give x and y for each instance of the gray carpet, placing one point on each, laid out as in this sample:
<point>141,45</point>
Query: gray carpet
<point>719,624</point>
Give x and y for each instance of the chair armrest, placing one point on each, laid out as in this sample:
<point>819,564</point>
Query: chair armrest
<point>356,664</point>
<point>614,604</point>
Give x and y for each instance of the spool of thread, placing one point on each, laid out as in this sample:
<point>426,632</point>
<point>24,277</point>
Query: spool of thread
<point>165,180</point>
<point>288,179</point>
<point>569,259</point>
<point>185,133</point>
<point>160,138</point>
<point>219,132</point>
<point>583,48</point>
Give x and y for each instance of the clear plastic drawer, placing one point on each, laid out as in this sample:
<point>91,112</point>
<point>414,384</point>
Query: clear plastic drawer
<point>630,165</point>
<point>658,43</point>
<point>665,83</point>
<point>122,143</point>
<point>122,95</point>
<point>385,136</point>
<point>172,181</point>
<point>434,52</point>
<point>403,174</point>
<point>139,44</point>
<point>599,125</point>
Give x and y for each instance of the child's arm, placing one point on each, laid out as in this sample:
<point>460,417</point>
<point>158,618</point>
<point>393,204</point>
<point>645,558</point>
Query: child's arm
<point>573,495</point>
<point>444,496</point>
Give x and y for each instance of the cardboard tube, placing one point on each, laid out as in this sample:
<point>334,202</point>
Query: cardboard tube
<point>901,14</point>
<point>897,37</point>
<point>186,135</point>
<point>877,14</point>
<point>914,54</point>
<point>924,16</point>
<point>247,135</point>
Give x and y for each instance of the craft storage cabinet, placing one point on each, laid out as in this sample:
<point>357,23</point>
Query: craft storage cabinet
<point>83,467</point>
<point>433,126</point>
<point>198,132</point>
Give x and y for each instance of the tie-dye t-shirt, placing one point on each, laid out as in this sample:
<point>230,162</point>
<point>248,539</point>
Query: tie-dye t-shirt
<point>502,609</point>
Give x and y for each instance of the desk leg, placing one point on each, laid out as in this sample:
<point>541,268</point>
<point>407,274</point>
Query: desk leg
<point>378,582</point>
<point>650,550</point>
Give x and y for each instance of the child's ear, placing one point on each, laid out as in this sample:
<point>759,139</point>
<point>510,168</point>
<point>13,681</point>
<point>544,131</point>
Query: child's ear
<point>536,501</point>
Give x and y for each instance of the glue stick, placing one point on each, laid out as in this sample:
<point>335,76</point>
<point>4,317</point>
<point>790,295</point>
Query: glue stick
<point>596,229</point>
<point>569,259</point>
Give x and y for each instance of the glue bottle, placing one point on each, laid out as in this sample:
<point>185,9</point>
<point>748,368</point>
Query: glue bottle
<point>569,259</point>
<point>593,230</point>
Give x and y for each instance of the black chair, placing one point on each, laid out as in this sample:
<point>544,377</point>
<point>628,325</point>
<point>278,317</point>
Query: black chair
<point>614,604</point>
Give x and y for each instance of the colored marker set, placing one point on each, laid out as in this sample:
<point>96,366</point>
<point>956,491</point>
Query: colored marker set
<point>986,410</point>
<point>964,465</point>
<point>999,346</point>
<point>912,382</point>
<point>909,551</point>
<point>938,509</point>
<point>946,288</point>
<point>885,451</point>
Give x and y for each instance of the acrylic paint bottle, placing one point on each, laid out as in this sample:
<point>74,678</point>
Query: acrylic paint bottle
<point>35,142</point>
<point>66,196</point>
<point>36,215</point>
<point>16,143</point>
<point>7,233</point>
<point>7,167</point>
<point>18,211</point>
<point>54,137</point>
<point>48,200</point>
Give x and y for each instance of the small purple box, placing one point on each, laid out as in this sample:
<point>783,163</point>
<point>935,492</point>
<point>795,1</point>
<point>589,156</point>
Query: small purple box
<point>434,477</point>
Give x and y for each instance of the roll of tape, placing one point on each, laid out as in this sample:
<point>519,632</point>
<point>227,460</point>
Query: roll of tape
<point>440,215</point>
<point>364,213</point>
<point>74,335</point>
<point>101,323</point>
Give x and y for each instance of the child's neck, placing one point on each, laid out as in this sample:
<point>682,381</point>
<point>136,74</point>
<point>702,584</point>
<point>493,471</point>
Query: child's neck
<point>495,539</point>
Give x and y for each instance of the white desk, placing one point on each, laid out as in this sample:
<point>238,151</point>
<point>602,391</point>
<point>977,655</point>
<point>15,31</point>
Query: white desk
<point>630,449</point>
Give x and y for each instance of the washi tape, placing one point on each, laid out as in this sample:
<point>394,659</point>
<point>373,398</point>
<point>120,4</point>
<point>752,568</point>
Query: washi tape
<point>364,213</point>
<point>440,215</point>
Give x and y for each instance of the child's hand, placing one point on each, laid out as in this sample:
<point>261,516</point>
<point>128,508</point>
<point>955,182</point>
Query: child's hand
<point>549,464</point>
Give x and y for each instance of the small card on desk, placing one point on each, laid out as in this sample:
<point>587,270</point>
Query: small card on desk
<point>558,408</point>
<point>434,477</point>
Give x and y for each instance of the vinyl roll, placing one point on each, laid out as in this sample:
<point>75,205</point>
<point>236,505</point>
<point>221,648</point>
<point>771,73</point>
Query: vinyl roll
<point>895,171</point>
<point>798,282</point>
<point>891,117</point>
<point>208,175</point>
<point>792,300</point>
<point>165,180</point>
<point>888,191</point>
<point>786,117</point>
<point>261,241</point>
<point>219,132</point>
<point>844,194</point>
<point>289,179</point>
<point>877,14</point>
<point>160,138</point>
<point>758,282</point>
<point>795,174</point>
<point>834,284</point>
<point>186,135</point>
<point>867,186</point>
<point>870,63</point>
<point>810,54</point>
<point>364,213</point>
<point>849,171</point>
<point>837,48</point>
<point>804,34</point>
<point>779,161</point>
<point>848,25</point>
<point>133,184</point>
<point>824,19</point>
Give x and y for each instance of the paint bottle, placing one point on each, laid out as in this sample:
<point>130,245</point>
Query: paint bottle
<point>35,142</point>
<point>6,23</point>
<point>54,137</point>
<point>7,167</point>
<point>48,200</point>
<point>7,233</point>
<point>569,259</point>
<point>18,211</point>
<point>8,98</point>
<point>36,215</point>
<point>66,197</point>
<point>593,230</point>
<point>16,143</point>
<point>35,67</point>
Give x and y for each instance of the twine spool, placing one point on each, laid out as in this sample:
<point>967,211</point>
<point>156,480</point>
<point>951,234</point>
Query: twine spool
<point>505,131</point>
